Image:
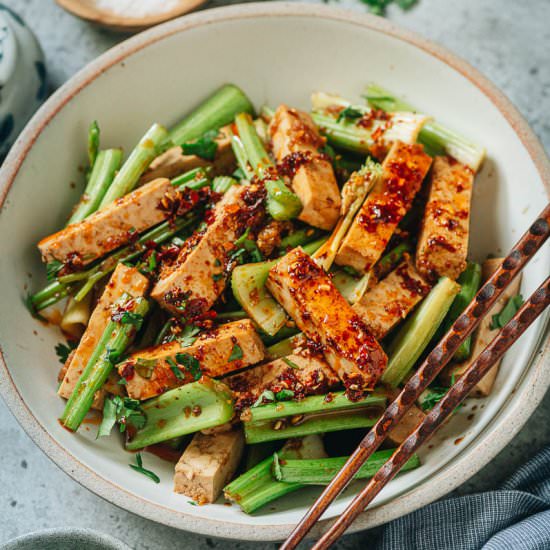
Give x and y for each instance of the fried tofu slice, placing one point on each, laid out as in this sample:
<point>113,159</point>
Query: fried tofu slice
<point>124,280</point>
<point>174,162</point>
<point>406,425</point>
<point>483,335</point>
<point>296,142</point>
<point>228,348</point>
<point>392,299</point>
<point>199,275</point>
<point>404,169</point>
<point>208,464</point>
<point>443,243</point>
<point>303,372</point>
<point>323,315</point>
<point>109,228</point>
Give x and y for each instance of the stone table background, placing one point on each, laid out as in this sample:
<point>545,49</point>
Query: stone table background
<point>506,39</point>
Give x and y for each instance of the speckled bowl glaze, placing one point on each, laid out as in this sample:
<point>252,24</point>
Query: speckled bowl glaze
<point>22,76</point>
<point>308,47</point>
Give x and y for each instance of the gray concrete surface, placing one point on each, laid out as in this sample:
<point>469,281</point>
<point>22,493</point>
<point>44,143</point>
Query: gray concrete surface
<point>505,39</point>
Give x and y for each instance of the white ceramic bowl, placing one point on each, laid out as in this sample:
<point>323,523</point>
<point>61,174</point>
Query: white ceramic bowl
<point>276,52</point>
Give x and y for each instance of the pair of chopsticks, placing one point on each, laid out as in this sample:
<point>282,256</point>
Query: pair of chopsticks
<point>521,253</point>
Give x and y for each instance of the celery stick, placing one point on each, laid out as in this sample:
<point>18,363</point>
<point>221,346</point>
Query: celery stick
<point>183,410</point>
<point>418,330</point>
<point>145,151</point>
<point>216,111</point>
<point>438,139</point>
<point>321,471</point>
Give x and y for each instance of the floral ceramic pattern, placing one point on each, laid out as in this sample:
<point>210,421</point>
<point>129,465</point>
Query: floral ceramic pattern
<point>23,84</point>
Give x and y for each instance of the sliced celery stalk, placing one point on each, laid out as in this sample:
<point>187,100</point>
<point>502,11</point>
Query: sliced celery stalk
<point>216,111</point>
<point>418,330</point>
<point>187,409</point>
<point>312,415</point>
<point>257,486</point>
<point>321,471</point>
<point>438,139</point>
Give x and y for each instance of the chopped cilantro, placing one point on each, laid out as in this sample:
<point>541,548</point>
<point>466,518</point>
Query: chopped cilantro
<point>284,395</point>
<point>217,262</point>
<point>52,269</point>
<point>188,335</point>
<point>236,353</point>
<point>349,113</point>
<point>175,369</point>
<point>290,363</point>
<point>250,246</point>
<point>190,363</point>
<point>434,396</point>
<point>204,147</point>
<point>145,367</point>
<point>378,7</point>
<point>191,502</point>
<point>267,396</point>
<point>138,467</point>
<point>63,351</point>
<point>125,411</point>
<point>508,311</point>
<point>217,276</point>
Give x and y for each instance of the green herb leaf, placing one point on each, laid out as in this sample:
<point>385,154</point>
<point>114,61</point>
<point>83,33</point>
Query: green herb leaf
<point>138,467</point>
<point>109,418</point>
<point>349,113</point>
<point>508,311</point>
<point>125,411</point>
<point>175,369</point>
<point>267,396</point>
<point>284,395</point>
<point>435,395</point>
<point>145,367</point>
<point>217,276</point>
<point>290,363</point>
<point>188,335</point>
<point>131,318</point>
<point>204,147</point>
<point>53,268</point>
<point>190,363</point>
<point>63,351</point>
<point>236,353</point>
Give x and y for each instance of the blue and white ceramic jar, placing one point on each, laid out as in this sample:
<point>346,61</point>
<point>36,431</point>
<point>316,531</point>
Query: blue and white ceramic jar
<point>22,76</point>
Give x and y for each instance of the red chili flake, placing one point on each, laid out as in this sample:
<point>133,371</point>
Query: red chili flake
<point>128,371</point>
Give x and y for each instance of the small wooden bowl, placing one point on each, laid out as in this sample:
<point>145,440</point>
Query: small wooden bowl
<point>86,9</point>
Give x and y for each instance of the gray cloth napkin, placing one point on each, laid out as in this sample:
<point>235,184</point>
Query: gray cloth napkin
<point>515,517</point>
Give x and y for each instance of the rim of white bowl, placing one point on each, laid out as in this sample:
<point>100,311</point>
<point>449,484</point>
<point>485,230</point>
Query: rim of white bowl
<point>521,404</point>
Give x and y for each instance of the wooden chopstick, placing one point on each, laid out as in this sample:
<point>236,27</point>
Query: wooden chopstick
<point>518,257</point>
<point>536,304</point>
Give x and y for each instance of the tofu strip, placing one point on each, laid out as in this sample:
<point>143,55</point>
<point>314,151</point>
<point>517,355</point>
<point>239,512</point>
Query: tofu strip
<point>208,464</point>
<point>443,241</point>
<point>199,275</point>
<point>304,373</point>
<point>111,227</point>
<point>296,142</point>
<point>124,279</point>
<point>392,299</point>
<point>403,171</point>
<point>322,313</point>
<point>406,425</point>
<point>484,334</point>
<point>150,371</point>
<point>174,162</point>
